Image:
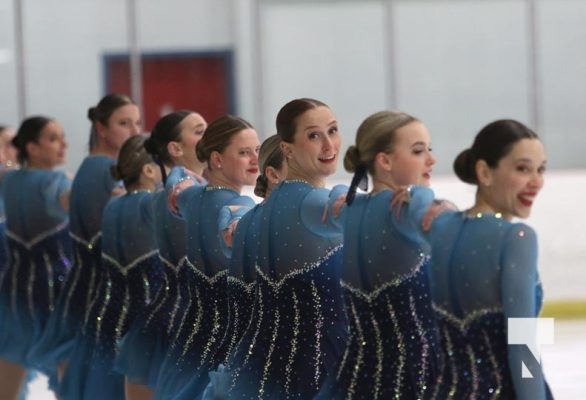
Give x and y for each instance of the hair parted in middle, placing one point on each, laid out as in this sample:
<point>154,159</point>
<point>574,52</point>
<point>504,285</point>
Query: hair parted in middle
<point>376,134</point>
<point>288,114</point>
<point>218,136</point>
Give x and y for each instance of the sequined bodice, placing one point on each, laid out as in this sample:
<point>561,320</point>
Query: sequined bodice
<point>381,245</point>
<point>124,295</point>
<point>131,267</point>
<point>298,325</point>
<point>38,260</point>
<point>484,270</point>
<point>241,301</point>
<point>393,348</point>
<point>291,233</point>
<point>300,316</point>
<point>200,206</point>
<point>38,270</point>
<point>31,201</point>
<point>206,318</point>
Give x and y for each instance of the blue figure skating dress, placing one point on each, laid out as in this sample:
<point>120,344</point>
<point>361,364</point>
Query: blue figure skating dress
<point>145,345</point>
<point>298,327</point>
<point>393,347</point>
<point>484,271</point>
<point>39,258</point>
<point>3,248</point>
<point>204,322</point>
<point>241,284</point>
<point>134,273</point>
<point>241,279</point>
<point>90,191</point>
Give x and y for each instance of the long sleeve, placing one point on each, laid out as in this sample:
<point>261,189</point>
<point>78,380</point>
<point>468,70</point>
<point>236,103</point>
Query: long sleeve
<point>319,202</point>
<point>519,282</point>
<point>409,221</point>
<point>228,215</point>
<point>187,196</point>
<point>56,184</point>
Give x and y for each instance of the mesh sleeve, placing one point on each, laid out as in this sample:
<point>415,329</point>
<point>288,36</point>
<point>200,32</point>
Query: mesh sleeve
<point>519,283</point>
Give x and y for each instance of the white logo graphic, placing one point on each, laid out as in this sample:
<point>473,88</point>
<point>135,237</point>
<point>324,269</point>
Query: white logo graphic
<point>532,332</point>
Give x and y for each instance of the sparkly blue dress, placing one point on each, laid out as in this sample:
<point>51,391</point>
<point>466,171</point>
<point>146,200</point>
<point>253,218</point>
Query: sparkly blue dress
<point>484,270</point>
<point>3,249</point>
<point>143,348</point>
<point>39,258</point>
<point>134,273</point>
<point>241,279</point>
<point>241,285</point>
<point>392,350</point>
<point>298,327</point>
<point>204,321</point>
<point>90,191</point>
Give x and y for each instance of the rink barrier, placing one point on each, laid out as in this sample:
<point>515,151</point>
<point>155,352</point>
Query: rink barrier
<point>564,309</point>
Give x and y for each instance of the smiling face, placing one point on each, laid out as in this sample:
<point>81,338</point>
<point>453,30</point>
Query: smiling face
<point>411,160</point>
<point>238,163</point>
<point>512,186</point>
<point>313,155</point>
<point>49,150</point>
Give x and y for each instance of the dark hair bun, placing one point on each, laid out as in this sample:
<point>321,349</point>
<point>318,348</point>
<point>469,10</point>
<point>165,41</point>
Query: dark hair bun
<point>149,146</point>
<point>201,153</point>
<point>115,172</point>
<point>262,184</point>
<point>91,113</point>
<point>464,167</point>
<point>352,159</point>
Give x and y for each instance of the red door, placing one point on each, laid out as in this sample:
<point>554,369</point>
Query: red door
<point>200,82</point>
